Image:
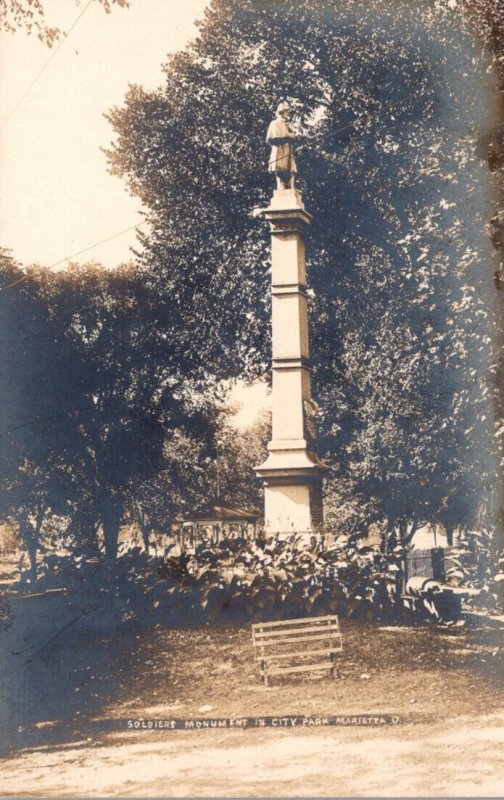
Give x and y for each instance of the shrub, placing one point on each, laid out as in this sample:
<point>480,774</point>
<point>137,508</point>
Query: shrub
<point>278,579</point>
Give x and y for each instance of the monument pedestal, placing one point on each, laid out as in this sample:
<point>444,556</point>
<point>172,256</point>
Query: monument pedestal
<point>292,473</point>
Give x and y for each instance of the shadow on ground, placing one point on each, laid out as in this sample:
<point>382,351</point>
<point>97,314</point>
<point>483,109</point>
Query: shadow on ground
<point>61,662</point>
<point>72,674</point>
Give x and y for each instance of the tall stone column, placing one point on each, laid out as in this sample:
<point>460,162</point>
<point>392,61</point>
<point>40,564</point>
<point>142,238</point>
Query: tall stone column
<point>292,473</point>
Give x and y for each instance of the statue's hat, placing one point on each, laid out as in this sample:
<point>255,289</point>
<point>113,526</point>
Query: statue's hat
<point>283,106</point>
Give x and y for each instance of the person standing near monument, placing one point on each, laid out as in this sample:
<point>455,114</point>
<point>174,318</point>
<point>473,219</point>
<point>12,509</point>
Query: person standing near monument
<point>281,137</point>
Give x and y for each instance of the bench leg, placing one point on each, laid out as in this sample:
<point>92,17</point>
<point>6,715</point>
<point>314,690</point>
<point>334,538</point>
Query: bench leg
<point>332,670</point>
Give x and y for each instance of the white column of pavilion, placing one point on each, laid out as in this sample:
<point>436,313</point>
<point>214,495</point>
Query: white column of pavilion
<point>292,473</point>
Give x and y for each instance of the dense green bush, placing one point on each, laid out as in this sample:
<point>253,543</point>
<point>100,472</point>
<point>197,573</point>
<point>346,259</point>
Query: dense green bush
<point>473,562</point>
<point>235,580</point>
<point>277,579</point>
<point>110,593</point>
<point>261,580</point>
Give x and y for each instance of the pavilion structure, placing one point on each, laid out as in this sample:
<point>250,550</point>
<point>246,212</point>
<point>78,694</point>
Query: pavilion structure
<point>215,522</point>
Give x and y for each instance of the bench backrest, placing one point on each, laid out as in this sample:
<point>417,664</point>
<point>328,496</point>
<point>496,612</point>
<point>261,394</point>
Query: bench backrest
<point>294,639</point>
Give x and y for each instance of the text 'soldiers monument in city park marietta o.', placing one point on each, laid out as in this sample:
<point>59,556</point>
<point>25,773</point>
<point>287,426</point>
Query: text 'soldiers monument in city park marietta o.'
<point>292,473</point>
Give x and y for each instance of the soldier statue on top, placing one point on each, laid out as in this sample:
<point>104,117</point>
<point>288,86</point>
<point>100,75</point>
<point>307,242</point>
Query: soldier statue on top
<point>281,137</point>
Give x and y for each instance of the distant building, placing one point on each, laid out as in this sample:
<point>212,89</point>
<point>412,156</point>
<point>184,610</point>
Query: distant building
<point>432,534</point>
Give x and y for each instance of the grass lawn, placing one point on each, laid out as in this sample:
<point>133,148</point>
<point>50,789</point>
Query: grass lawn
<point>407,671</point>
<point>68,703</point>
<point>84,676</point>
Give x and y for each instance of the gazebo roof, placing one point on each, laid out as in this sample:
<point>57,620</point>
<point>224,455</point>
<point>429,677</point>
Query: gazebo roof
<point>220,511</point>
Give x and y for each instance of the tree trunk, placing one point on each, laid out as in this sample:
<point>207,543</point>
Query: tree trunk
<point>449,533</point>
<point>408,534</point>
<point>145,526</point>
<point>111,517</point>
<point>390,533</point>
<point>87,543</point>
<point>32,554</point>
<point>403,532</point>
<point>30,537</point>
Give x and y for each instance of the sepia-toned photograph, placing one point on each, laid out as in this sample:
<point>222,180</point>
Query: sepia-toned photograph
<point>251,398</point>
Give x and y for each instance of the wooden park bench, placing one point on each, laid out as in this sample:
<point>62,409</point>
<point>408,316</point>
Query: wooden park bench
<point>292,640</point>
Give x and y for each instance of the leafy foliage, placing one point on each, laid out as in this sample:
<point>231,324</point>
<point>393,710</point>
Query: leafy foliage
<point>237,453</point>
<point>276,580</point>
<point>473,562</point>
<point>36,393</point>
<point>29,15</point>
<point>393,168</point>
<point>91,415</point>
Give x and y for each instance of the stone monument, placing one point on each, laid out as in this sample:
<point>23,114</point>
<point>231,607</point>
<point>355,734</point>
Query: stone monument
<point>292,474</point>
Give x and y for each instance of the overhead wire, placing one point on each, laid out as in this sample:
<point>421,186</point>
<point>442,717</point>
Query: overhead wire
<point>45,65</point>
<point>354,124</point>
<point>60,416</point>
<point>412,174</point>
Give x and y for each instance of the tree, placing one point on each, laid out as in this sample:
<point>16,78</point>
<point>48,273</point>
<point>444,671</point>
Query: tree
<point>36,391</point>
<point>182,483</point>
<point>237,453</point>
<point>402,316</point>
<point>133,399</point>
<point>30,16</point>
<point>90,413</point>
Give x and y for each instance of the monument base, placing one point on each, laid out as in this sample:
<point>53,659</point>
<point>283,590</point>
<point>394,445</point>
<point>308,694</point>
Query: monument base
<point>292,500</point>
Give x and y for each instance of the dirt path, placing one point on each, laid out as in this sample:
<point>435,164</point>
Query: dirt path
<point>458,757</point>
<point>66,705</point>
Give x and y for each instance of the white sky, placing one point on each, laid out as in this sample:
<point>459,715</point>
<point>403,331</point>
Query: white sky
<point>250,401</point>
<point>56,197</point>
